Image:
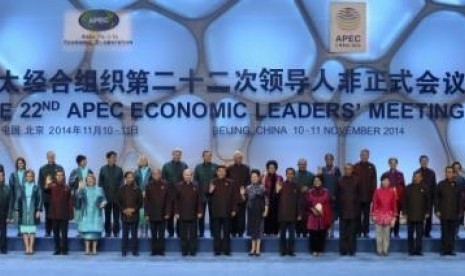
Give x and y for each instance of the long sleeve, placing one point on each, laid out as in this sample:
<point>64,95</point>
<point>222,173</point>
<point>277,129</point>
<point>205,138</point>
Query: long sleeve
<point>199,204</point>
<point>11,203</point>
<point>375,207</point>
<point>394,205</point>
<point>437,198</point>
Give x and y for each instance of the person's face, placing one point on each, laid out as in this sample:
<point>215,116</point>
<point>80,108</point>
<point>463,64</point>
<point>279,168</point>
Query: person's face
<point>51,157</point>
<point>112,159</point>
<point>30,177</point>
<point>237,158</point>
<point>177,155</point>
<point>221,172</point>
<point>255,178</point>
<point>348,170</point>
<point>385,183</point>
<point>144,162</point>
<point>457,168</point>
<point>417,178</point>
<point>290,174</point>
<point>83,163</point>
<point>329,160</point>
<point>393,164</point>
<point>156,174</point>
<point>187,176</point>
<point>207,157</point>
<point>60,177</point>
<point>130,179</point>
<point>449,173</point>
<point>302,165</point>
<point>364,155</point>
<point>271,169</point>
<point>424,162</point>
<point>2,177</point>
<point>317,182</point>
<point>90,181</point>
<point>20,164</point>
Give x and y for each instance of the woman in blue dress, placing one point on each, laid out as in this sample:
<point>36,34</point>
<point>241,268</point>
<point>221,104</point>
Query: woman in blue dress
<point>29,205</point>
<point>90,201</point>
<point>142,175</point>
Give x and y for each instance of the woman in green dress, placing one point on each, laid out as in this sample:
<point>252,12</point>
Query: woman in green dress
<point>29,205</point>
<point>90,201</point>
<point>142,174</point>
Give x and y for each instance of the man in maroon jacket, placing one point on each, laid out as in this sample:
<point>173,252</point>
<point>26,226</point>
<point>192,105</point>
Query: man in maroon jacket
<point>187,209</point>
<point>366,174</point>
<point>288,211</point>
<point>346,193</point>
<point>61,211</point>
<point>224,201</point>
<point>157,210</point>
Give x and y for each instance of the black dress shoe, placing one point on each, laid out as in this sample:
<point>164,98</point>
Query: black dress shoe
<point>283,254</point>
<point>292,254</point>
<point>193,254</point>
<point>217,254</point>
<point>153,254</point>
<point>419,254</point>
<point>452,254</point>
<point>227,253</point>
<point>64,253</point>
<point>184,254</point>
<point>57,253</point>
<point>135,253</point>
<point>162,254</point>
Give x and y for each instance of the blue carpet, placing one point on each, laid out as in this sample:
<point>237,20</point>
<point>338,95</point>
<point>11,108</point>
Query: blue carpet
<point>112,264</point>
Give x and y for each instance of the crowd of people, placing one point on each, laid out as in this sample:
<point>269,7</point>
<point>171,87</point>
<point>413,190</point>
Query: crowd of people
<point>153,203</point>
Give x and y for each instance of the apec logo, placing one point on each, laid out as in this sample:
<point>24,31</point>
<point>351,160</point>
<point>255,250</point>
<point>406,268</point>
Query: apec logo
<point>98,20</point>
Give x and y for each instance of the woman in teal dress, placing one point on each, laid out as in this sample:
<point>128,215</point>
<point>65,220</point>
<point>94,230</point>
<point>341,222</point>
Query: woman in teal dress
<point>143,173</point>
<point>90,201</point>
<point>29,205</point>
<point>17,179</point>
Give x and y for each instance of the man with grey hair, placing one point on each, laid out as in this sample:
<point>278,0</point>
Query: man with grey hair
<point>172,172</point>
<point>239,173</point>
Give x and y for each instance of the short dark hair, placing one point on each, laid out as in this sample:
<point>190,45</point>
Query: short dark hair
<point>290,169</point>
<point>384,177</point>
<point>220,167</point>
<point>456,163</point>
<point>81,158</point>
<point>272,162</point>
<point>110,154</point>
<point>128,173</point>
<point>423,156</point>
<point>255,171</point>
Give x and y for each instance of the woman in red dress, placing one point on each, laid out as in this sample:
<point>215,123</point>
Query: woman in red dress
<point>384,213</point>
<point>320,215</point>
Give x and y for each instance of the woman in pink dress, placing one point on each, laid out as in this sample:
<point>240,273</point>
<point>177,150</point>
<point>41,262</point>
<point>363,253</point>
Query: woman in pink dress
<point>320,215</point>
<point>384,213</point>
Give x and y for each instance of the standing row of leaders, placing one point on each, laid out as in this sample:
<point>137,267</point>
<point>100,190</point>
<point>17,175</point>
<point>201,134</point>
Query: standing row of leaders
<point>174,199</point>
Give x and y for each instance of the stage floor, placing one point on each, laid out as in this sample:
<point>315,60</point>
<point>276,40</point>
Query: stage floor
<point>111,263</point>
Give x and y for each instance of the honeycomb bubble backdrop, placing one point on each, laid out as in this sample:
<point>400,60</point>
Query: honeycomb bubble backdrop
<point>228,35</point>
